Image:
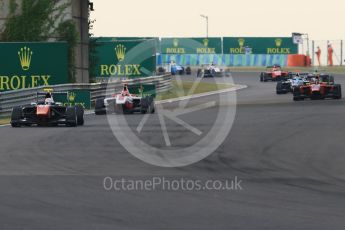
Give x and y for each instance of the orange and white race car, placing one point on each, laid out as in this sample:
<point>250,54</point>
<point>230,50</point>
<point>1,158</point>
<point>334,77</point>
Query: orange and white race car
<point>127,102</point>
<point>47,112</point>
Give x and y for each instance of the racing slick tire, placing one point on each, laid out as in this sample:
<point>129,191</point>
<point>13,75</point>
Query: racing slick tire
<point>147,105</point>
<point>213,73</point>
<point>188,70</point>
<point>100,107</point>
<point>80,115</point>
<point>338,94</point>
<point>297,95</point>
<point>16,115</point>
<point>71,116</point>
<point>262,77</point>
<point>279,88</point>
<point>151,108</point>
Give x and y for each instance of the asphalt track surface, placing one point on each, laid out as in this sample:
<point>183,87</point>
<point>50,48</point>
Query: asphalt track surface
<point>289,156</point>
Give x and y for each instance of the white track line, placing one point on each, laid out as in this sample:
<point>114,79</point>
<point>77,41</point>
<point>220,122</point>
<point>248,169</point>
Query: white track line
<point>184,124</point>
<point>192,109</point>
<point>237,87</point>
<point>164,130</point>
<point>142,123</point>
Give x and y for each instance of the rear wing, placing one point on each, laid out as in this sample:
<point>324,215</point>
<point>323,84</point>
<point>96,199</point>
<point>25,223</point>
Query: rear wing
<point>273,66</point>
<point>40,95</point>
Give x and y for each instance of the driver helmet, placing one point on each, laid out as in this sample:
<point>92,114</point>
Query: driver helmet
<point>125,90</point>
<point>48,95</point>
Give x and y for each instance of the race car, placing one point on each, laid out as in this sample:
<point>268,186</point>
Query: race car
<point>211,71</point>
<point>140,100</point>
<point>177,69</point>
<point>188,70</point>
<point>47,112</point>
<point>288,85</point>
<point>320,87</point>
<point>274,73</point>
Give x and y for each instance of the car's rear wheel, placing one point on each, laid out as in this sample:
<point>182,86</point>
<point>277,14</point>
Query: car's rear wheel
<point>16,115</point>
<point>100,107</point>
<point>71,116</point>
<point>338,94</point>
<point>188,70</point>
<point>80,115</point>
<point>146,104</point>
<point>297,94</point>
<point>262,77</point>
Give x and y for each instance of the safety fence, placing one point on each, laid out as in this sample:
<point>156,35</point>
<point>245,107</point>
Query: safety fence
<point>10,99</point>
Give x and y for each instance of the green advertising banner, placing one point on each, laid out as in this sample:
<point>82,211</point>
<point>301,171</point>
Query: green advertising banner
<point>74,97</point>
<point>259,45</point>
<point>191,45</point>
<point>126,58</point>
<point>31,64</point>
<point>143,89</point>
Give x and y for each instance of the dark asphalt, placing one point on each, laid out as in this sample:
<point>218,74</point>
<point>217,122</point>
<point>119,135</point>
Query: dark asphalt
<point>289,156</point>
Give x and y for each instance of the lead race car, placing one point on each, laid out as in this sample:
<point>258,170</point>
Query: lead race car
<point>134,98</point>
<point>321,86</point>
<point>47,112</point>
<point>212,71</point>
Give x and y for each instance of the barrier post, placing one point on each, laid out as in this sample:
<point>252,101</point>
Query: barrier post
<point>313,52</point>
<point>341,52</point>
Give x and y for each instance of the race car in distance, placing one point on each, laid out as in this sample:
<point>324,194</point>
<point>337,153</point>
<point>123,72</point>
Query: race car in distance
<point>177,69</point>
<point>140,100</point>
<point>211,71</point>
<point>274,73</point>
<point>320,87</point>
<point>287,86</point>
<point>47,113</point>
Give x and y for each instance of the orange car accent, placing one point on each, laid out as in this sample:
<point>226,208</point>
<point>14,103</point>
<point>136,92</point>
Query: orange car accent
<point>43,110</point>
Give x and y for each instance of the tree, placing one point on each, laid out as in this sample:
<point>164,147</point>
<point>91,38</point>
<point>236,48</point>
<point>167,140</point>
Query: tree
<point>40,20</point>
<point>67,32</point>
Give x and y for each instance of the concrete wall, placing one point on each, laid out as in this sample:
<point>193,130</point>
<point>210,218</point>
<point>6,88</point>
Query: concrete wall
<point>78,11</point>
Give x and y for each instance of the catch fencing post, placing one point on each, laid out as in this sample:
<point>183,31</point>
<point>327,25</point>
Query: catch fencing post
<point>313,51</point>
<point>341,52</point>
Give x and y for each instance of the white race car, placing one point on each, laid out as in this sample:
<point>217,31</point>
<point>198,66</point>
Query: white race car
<point>212,71</point>
<point>126,102</point>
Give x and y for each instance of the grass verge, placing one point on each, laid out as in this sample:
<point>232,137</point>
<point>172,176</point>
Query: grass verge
<point>203,87</point>
<point>4,120</point>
